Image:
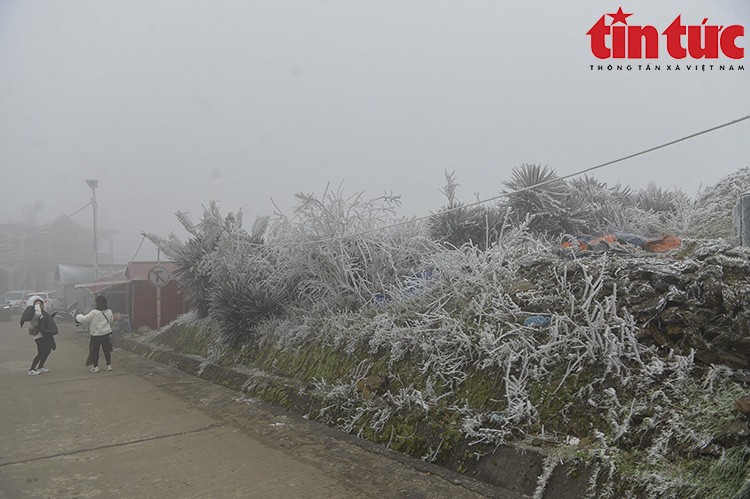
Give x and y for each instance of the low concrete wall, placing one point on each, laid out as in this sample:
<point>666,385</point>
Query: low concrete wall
<point>510,467</point>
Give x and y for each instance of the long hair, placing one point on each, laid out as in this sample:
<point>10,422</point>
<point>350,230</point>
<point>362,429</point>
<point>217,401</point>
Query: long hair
<point>101,303</point>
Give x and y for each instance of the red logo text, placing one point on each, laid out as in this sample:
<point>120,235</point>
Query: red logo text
<point>620,40</point>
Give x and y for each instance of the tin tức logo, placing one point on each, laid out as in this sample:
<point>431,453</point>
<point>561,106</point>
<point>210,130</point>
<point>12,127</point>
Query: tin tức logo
<point>616,36</point>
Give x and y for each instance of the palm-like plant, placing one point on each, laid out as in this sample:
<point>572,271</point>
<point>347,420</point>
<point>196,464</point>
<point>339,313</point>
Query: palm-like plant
<point>535,193</point>
<point>240,302</point>
<point>603,206</point>
<point>195,268</point>
<point>658,199</point>
<point>456,224</point>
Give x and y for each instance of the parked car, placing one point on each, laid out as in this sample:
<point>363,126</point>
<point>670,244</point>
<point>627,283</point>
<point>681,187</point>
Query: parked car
<point>6,310</point>
<point>16,299</point>
<point>49,304</point>
<point>57,301</point>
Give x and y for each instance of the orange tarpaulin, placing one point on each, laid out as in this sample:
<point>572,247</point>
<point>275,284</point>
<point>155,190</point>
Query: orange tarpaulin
<point>662,244</point>
<point>586,242</point>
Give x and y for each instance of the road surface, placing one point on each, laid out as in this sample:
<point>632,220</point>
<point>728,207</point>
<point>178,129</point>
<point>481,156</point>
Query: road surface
<point>148,430</point>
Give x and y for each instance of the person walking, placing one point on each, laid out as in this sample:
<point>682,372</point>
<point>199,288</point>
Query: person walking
<point>100,330</point>
<point>42,329</point>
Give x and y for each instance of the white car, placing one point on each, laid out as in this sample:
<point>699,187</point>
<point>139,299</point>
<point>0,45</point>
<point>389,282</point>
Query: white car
<point>16,299</point>
<point>57,301</point>
<point>50,304</point>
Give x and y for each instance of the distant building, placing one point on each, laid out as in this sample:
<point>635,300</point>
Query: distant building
<point>30,254</point>
<point>67,276</point>
<point>130,292</point>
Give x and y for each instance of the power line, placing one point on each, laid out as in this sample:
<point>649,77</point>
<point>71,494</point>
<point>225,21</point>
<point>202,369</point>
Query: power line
<point>46,227</point>
<point>102,277</point>
<point>540,184</point>
<point>143,238</point>
<point>119,271</point>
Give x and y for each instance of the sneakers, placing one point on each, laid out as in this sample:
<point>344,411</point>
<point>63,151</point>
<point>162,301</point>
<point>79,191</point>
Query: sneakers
<point>32,372</point>
<point>94,369</point>
<point>109,368</point>
<point>41,370</point>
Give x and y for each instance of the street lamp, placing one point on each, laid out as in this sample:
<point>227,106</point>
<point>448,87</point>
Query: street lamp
<point>93,184</point>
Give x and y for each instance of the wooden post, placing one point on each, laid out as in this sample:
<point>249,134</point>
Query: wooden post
<point>743,218</point>
<point>158,308</point>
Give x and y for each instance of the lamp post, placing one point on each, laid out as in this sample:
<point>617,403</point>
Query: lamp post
<point>93,184</point>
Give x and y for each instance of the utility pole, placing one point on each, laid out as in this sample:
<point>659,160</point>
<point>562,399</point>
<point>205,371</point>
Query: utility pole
<point>158,292</point>
<point>93,184</point>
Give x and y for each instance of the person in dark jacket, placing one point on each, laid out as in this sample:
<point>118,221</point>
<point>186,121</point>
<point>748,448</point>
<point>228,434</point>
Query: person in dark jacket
<point>42,329</point>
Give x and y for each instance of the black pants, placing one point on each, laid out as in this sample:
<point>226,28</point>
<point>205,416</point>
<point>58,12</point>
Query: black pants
<point>43,349</point>
<point>95,343</point>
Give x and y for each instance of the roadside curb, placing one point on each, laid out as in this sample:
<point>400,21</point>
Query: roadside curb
<point>515,470</point>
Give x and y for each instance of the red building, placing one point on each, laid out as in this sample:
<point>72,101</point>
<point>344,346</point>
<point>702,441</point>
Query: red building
<point>146,291</point>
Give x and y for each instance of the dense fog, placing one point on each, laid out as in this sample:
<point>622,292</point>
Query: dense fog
<point>171,104</point>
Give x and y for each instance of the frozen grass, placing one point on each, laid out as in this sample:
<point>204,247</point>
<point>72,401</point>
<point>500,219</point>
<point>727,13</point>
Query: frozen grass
<point>619,394</point>
<point>447,324</point>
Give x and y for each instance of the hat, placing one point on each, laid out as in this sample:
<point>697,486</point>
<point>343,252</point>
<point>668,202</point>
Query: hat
<point>31,301</point>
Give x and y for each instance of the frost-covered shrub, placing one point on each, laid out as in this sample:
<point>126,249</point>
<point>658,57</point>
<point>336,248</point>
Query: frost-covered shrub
<point>334,254</point>
<point>650,212</point>
<point>219,273</point>
<point>608,209</point>
<point>714,206</point>
<point>191,257</point>
<point>240,302</point>
<point>551,208</point>
<point>445,322</point>
<point>456,224</point>
<point>659,200</point>
<point>245,287</point>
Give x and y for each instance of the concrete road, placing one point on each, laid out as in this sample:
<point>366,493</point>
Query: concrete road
<point>147,430</point>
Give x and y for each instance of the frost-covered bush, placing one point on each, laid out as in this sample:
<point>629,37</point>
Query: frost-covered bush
<point>659,200</point>
<point>219,273</point>
<point>245,287</point>
<point>334,253</point>
<point>444,318</point>
<point>191,257</point>
<point>240,302</point>
<point>587,205</point>
<point>714,206</point>
<point>585,375</point>
<point>551,208</point>
<point>608,209</point>
<point>456,224</point>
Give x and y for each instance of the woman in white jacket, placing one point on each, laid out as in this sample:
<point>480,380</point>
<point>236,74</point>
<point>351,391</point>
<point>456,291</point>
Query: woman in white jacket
<point>100,329</point>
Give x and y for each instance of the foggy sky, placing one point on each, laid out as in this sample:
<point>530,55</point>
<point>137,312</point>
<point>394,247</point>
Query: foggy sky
<point>172,103</point>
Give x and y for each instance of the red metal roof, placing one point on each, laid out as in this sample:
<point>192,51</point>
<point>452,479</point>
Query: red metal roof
<point>105,282</point>
<point>135,271</point>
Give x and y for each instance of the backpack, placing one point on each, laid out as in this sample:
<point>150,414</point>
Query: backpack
<point>47,325</point>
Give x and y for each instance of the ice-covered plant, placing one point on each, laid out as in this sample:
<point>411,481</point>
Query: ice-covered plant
<point>551,207</point>
<point>714,206</point>
<point>193,273</point>
<point>218,271</point>
<point>240,302</point>
<point>334,250</point>
<point>456,224</point>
